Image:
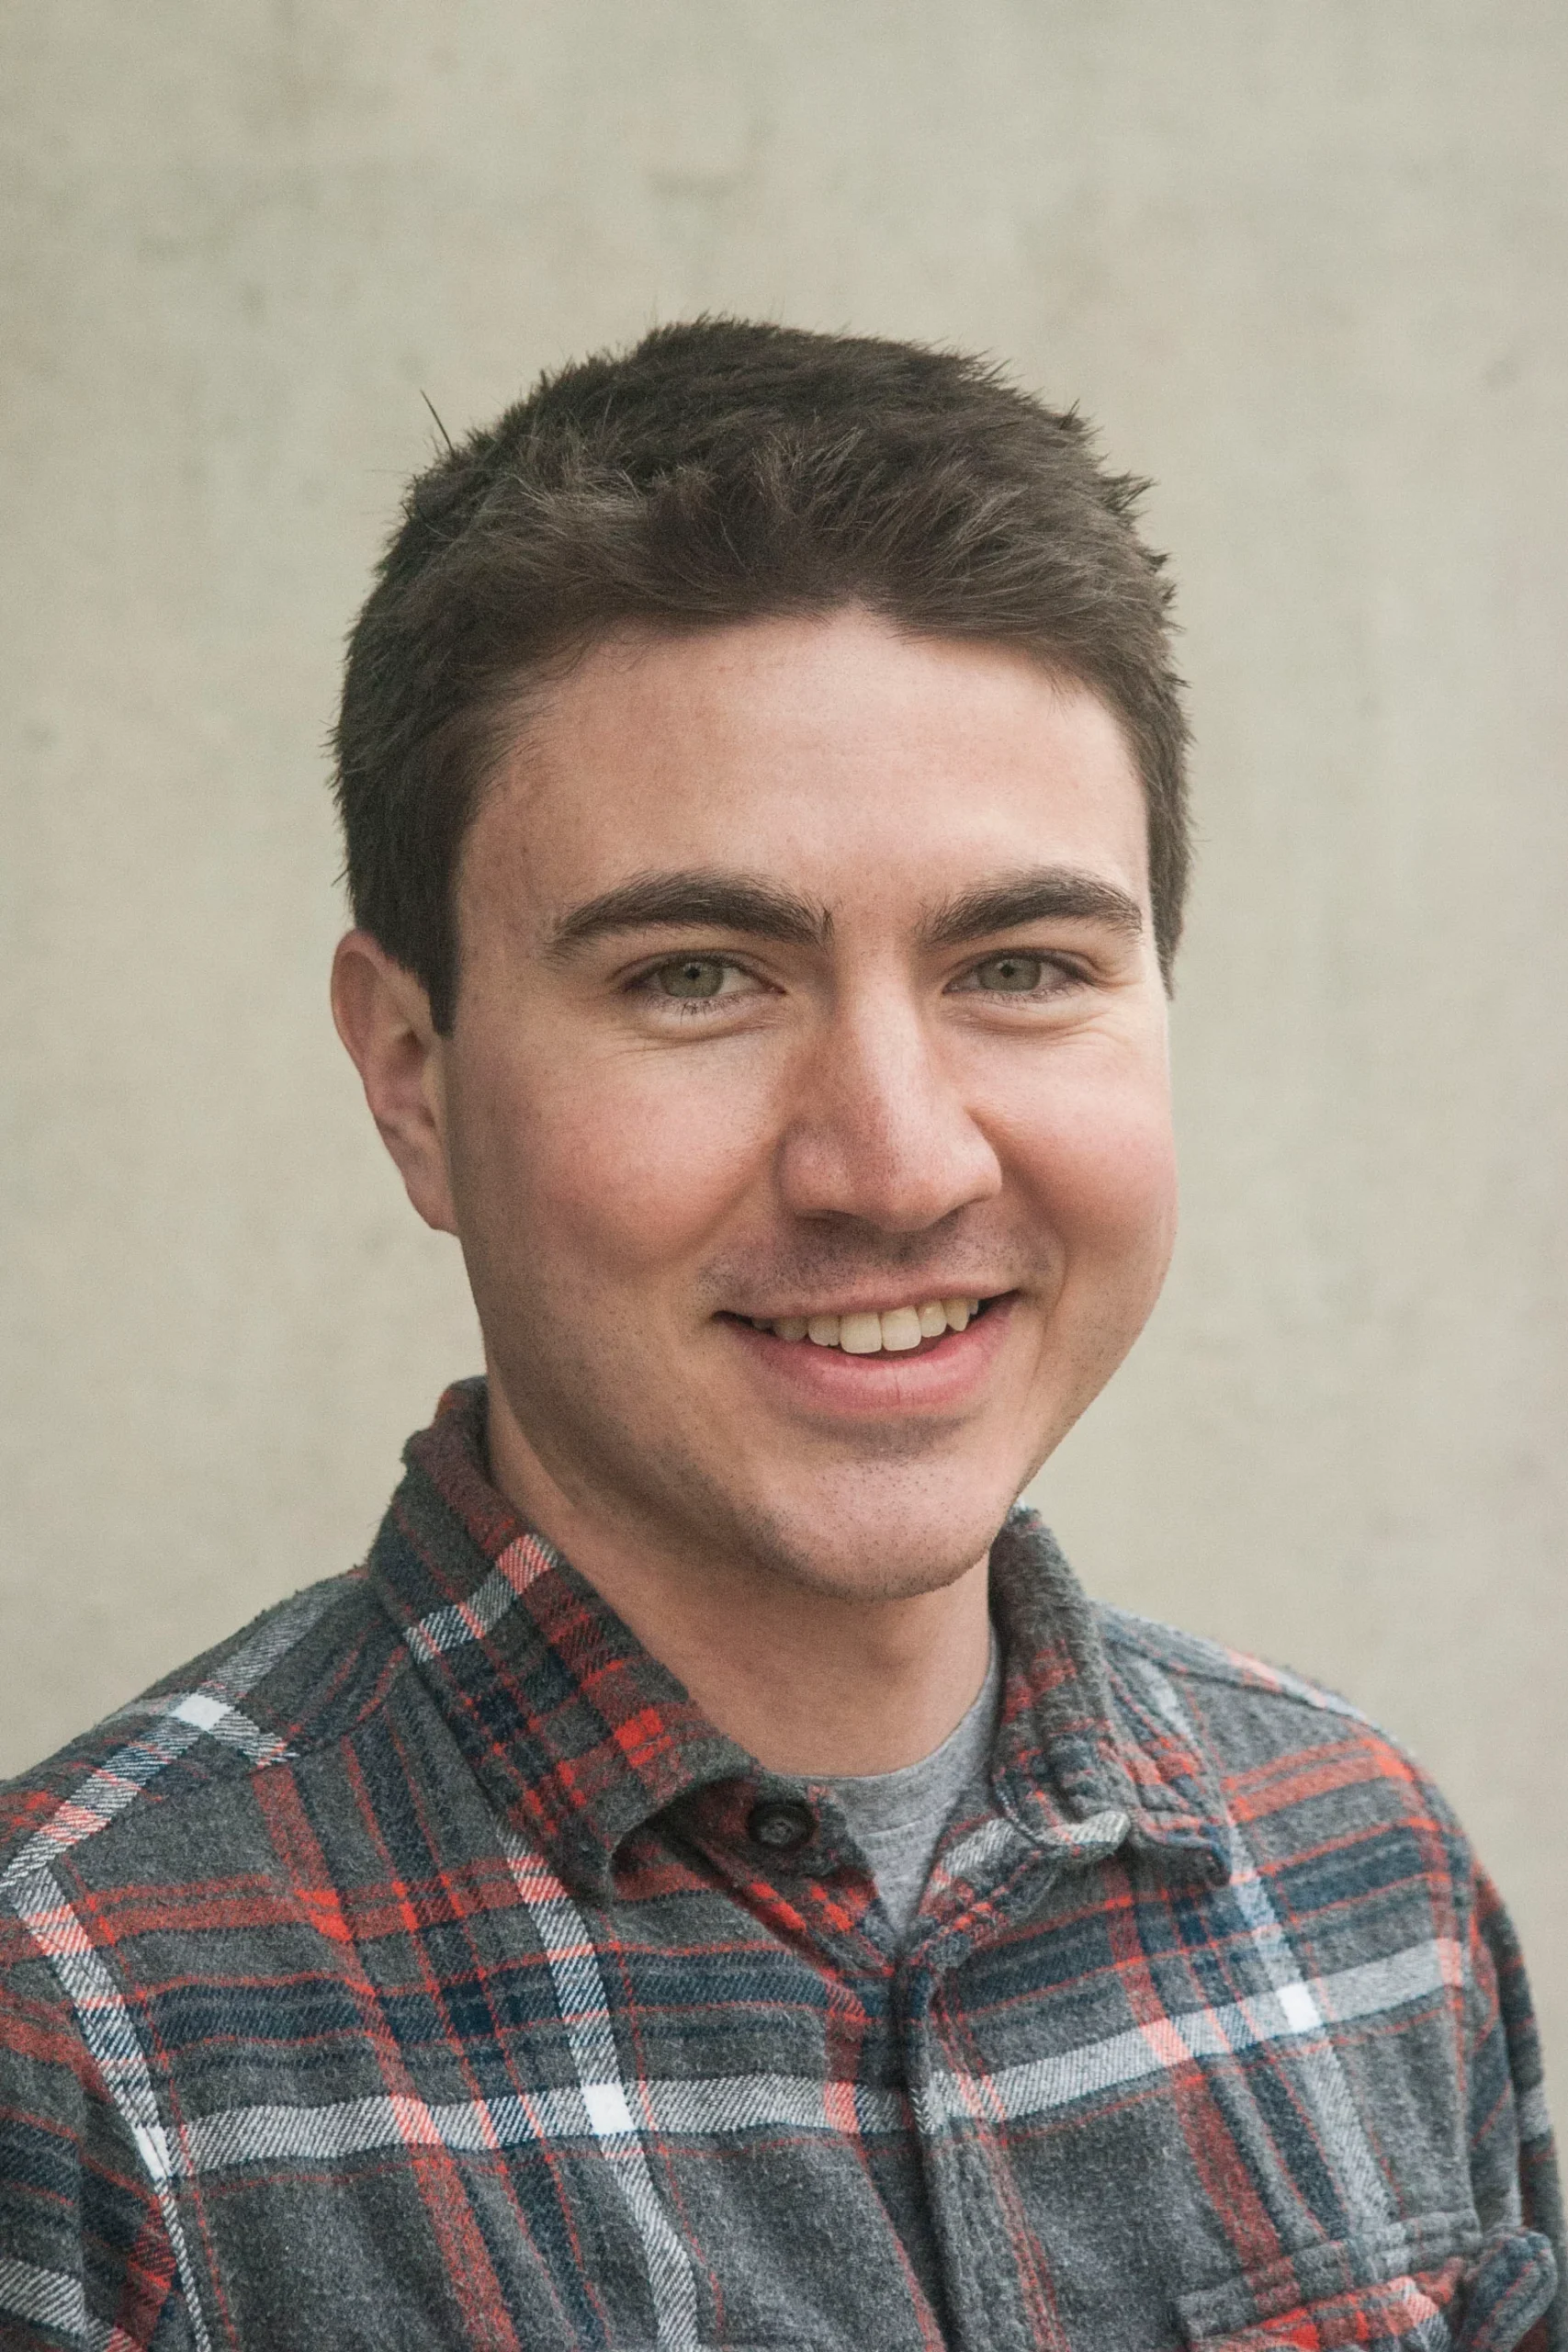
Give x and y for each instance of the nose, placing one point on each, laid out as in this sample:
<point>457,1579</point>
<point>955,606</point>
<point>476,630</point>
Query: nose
<point>881,1131</point>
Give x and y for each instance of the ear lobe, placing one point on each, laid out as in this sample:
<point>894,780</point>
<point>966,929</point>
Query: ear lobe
<point>382,1015</point>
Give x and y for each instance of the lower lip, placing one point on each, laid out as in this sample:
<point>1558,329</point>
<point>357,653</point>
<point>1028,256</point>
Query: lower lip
<point>938,1379</point>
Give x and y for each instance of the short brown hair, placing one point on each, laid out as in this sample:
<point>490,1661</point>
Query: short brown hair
<point>722,471</point>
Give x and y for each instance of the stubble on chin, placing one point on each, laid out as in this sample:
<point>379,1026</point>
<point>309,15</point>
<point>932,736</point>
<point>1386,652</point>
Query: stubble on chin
<point>871,1529</point>
<point>877,1531</point>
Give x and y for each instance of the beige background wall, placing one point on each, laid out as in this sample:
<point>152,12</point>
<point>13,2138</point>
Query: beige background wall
<point>1305,260</point>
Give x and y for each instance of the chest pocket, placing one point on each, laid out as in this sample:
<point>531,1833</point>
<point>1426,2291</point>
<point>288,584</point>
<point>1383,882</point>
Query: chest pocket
<point>1483,2302</point>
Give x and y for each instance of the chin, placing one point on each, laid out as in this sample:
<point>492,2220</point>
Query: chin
<point>887,1539</point>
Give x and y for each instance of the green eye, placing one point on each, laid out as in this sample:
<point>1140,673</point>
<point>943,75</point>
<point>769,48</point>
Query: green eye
<point>1010,975</point>
<point>696,976</point>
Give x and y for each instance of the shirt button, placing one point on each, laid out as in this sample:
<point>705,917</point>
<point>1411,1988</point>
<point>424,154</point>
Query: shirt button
<point>781,1825</point>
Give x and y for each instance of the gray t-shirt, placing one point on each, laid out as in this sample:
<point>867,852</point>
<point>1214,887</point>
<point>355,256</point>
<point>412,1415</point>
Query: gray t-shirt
<point>898,1818</point>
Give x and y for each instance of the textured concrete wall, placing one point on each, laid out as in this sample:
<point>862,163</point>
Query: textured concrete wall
<point>1303,258</point>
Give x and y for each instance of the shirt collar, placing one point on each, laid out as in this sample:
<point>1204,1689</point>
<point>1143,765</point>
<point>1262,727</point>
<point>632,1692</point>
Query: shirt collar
<point>1076,1738</point>
<point>578,1735</point>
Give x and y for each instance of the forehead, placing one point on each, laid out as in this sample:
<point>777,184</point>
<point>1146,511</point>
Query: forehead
<point>837,753</point>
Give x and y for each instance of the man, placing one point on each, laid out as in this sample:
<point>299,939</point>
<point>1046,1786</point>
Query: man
<point>712,1879</point>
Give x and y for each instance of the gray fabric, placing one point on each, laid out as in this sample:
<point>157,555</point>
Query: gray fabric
<point>896,1818</point>
<point>406,1974</point>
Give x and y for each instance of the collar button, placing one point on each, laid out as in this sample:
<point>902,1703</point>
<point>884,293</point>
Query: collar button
<point>781,1825</point>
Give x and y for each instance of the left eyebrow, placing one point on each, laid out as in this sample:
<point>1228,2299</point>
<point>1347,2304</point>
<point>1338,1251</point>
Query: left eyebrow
<point>1038,894</point>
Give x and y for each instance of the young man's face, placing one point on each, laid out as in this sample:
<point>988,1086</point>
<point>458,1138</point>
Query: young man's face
<point>807,978</point>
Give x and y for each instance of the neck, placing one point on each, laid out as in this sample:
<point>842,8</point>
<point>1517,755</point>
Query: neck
<point>823,1684</point>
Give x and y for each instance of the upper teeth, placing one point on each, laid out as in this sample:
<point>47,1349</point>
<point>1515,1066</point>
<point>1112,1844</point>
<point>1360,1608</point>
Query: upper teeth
<point>866,1335</point>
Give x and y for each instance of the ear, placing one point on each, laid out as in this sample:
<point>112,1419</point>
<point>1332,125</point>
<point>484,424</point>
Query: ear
<point>383,1017</point>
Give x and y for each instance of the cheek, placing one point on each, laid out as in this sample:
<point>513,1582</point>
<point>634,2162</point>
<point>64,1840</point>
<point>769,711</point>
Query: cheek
<point>1100,1163</point>
<point>615,1168</point>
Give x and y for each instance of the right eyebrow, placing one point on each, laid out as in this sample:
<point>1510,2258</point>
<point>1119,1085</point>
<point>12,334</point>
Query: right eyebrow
<point>693,899</point>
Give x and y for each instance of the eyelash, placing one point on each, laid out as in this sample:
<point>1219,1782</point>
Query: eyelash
<point>1068,974</point>
<point>688,1007</point>
<point>1062,972</point>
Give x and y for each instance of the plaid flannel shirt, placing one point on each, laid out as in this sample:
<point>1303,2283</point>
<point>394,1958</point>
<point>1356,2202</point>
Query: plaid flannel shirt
<point>421,1969</point>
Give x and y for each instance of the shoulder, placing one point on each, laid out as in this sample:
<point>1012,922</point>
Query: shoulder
<point>301,1673</point>
<point>1277,1745</point>
<point>1136,1641</point>
<point>132,1862</point>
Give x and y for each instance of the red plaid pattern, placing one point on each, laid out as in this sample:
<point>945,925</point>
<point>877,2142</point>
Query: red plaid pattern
<point>404,1974</point>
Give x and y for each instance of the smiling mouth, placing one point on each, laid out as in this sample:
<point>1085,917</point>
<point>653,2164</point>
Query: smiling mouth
<point>894,1330</point>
